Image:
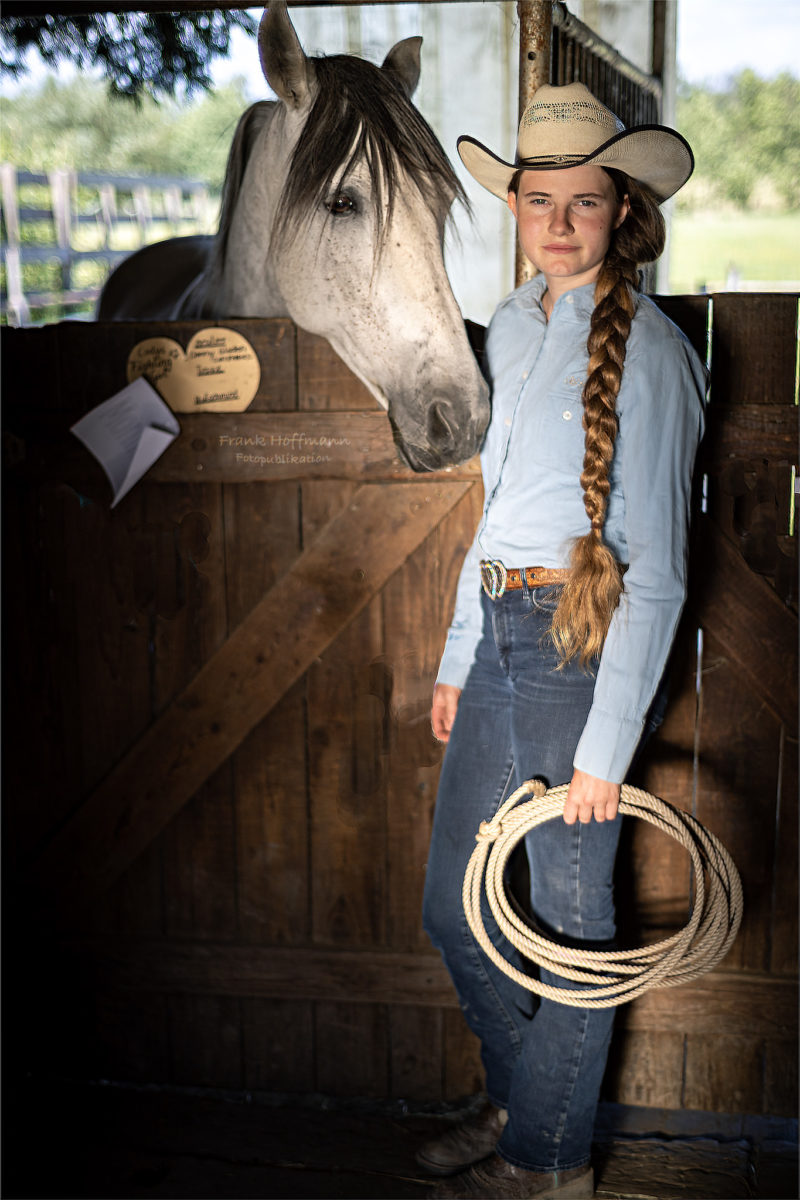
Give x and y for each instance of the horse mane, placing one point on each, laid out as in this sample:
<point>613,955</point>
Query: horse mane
<point>361,110</point>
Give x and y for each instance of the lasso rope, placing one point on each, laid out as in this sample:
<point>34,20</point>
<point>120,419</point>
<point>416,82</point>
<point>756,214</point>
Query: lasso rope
<point>607,977</point>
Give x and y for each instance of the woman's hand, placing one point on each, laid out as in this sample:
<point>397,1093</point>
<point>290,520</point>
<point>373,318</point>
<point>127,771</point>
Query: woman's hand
<point>590,797</point>
<point>443,710</point>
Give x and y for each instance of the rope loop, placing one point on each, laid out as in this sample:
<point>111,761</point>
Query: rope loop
<point>489,831</point>
<point>603,978</point>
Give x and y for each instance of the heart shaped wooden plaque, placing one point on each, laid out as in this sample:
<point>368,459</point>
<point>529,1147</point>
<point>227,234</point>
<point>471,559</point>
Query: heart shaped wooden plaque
<point>219,372</point>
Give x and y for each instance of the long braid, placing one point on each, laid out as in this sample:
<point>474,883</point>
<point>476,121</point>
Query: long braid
<point>592,593</point>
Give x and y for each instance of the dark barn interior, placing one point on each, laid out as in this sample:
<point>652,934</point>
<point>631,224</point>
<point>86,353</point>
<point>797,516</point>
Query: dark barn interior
<point>219,779</point>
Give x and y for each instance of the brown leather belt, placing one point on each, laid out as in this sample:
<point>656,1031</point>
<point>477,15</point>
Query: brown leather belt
<point>497,579</point>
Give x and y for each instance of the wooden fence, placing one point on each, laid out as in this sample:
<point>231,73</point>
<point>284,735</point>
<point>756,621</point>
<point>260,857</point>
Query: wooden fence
<point>79,207</point>
<point>219,772</point>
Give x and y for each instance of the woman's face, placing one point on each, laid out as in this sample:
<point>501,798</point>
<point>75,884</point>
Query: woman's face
<point>565,221</point>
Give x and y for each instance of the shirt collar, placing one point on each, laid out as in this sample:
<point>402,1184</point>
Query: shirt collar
<point>529,297</point>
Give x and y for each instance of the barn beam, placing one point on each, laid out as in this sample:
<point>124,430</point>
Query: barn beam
<point>743,1003</point>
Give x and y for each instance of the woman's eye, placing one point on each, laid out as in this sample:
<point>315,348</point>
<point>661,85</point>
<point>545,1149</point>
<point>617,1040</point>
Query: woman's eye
<point>341,204</point>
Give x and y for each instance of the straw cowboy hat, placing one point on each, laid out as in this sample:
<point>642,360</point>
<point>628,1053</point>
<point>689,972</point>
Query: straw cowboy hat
<point>567,127</point>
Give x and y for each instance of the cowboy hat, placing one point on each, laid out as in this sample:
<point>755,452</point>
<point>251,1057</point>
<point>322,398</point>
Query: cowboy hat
<point>567,127</point>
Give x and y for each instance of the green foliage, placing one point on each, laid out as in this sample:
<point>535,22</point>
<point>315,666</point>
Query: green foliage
<point>745,138</point>
<point>140,53</point>
<point>761,248</point>
<point>77,124</point>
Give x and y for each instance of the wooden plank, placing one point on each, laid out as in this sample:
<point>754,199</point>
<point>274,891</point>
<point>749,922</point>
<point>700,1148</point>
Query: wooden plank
<point>326,588</point>
<point>415,1068</point>
<point>740,1002</point>
<point>750,431</point>
<point>345,692</point>
<point>206,1041</point>
<point>183,569</point>
<point>755,630</point>
<point>653,877</point>
<point>753,348</point>
<point>780,1079</point>
<point>323,380</point>
<point>724,1074</point>
<point>278,1045</point>
<point>199,863</point>
<point>91,360</point>
<point>737,789</point>
<point>347,787</point>
<point>783,943</point>
<point>645,1068</point>
<point>415,627</point>
<point>352,1049</point>
<point>262,540</point>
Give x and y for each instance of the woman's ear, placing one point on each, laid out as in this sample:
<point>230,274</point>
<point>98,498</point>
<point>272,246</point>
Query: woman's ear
<point>624,209</point>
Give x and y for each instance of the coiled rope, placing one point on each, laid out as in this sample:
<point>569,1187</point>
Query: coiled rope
<point>607,977</point>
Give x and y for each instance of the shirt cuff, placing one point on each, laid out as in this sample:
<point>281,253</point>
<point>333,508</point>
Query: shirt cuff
<point>607,745</point>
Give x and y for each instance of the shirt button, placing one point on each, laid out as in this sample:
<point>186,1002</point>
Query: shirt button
<point>569,299</point>
<point>525,374</point>
<point>567,415</point>
<point>507,421</point>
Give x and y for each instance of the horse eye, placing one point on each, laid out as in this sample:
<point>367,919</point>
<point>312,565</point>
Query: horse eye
<point>341,204</point>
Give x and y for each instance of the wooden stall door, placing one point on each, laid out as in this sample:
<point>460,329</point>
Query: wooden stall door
<point>220,774</point>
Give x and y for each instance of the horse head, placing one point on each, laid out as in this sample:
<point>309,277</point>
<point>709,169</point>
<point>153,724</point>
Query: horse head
<point>333,214</point>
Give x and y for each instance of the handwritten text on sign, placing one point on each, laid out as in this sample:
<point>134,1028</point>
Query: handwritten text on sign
<point>219,372</point>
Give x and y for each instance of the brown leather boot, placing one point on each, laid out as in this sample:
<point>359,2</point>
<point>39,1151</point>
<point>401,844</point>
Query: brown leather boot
<point>466,1143</point>
<point>496,1179</point>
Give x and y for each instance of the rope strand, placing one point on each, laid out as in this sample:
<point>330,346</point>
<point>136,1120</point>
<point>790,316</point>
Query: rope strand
<point>610,977</point>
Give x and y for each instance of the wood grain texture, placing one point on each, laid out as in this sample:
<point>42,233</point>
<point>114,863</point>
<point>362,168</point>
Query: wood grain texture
<point>274,446</point>
<point>327,586</point>
<point>756,630</point>
<point>740,1002</point>
<point>754,348</point>
<point>645,1068</point>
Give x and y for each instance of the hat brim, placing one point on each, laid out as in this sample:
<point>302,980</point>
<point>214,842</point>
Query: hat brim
<point>652,154</point>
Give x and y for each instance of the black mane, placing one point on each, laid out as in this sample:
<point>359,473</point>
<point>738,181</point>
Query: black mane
<point>362,110</point>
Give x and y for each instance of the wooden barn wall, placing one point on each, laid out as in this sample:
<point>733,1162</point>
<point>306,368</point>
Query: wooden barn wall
<point>219,772</point>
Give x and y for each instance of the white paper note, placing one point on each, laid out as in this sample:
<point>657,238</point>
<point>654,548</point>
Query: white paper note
<point>127,433</point>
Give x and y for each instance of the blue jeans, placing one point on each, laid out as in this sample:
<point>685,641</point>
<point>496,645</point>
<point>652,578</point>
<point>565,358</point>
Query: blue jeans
<point>519,718</point>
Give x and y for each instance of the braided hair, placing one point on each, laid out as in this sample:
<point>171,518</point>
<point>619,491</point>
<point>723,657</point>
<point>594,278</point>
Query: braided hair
<point>591,594</point>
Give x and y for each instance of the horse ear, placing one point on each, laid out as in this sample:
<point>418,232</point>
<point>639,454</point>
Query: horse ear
<point>403,62</point>
<point>283,62</point>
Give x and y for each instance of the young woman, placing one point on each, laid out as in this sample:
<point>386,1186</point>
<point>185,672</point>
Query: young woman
<point>566,609</point>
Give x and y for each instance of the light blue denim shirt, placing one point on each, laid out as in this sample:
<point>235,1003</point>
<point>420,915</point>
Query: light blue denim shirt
<point>531,462</point>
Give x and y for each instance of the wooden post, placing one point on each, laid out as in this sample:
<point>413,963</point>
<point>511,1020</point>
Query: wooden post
<point>535,34</point>
<point>18,311</point>
<point>62,218</point>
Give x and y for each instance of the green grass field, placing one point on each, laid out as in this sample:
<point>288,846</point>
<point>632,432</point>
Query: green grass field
<point>763,247</point>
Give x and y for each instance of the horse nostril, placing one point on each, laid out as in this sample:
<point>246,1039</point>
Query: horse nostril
<point>440,426</point>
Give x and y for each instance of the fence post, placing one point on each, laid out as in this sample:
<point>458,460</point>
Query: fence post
<point>108,210</point>
<point>62,216</point>
<point>17,305</point>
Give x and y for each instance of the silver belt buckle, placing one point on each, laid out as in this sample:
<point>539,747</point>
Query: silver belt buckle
<point>493,577</point>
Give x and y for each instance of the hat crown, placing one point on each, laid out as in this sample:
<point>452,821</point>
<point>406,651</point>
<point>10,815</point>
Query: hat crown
<point>564,122</point>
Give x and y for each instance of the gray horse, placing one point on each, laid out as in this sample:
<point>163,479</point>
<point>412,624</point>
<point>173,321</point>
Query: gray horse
<point>333,214</point>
